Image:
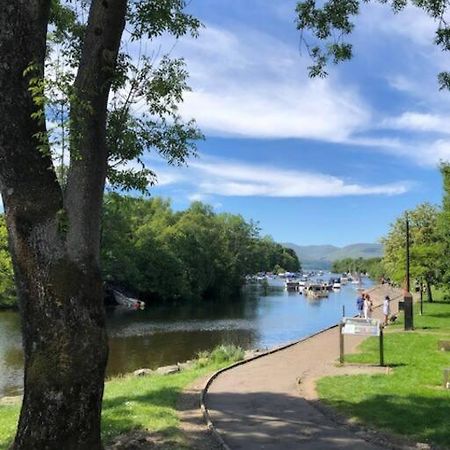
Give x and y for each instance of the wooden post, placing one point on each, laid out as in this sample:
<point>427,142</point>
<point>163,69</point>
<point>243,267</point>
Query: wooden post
<point>381,347</point>
<point>341,344</point>
<point>421,298</point>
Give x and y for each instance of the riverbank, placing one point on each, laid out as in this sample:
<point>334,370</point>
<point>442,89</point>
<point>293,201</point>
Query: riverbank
<point>411,401</point>
<point>271,402</point>
<point>140,411</point>
<point>165,334</point>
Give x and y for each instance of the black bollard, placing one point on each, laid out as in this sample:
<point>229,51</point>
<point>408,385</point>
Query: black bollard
<point>408,308</point>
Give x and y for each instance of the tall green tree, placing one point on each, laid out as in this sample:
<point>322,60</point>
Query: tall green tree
<point>53,216</point>
<point>425,246</point>
<point>444,226</point>
<point>326,26</point>
<point>194,254</point>
<point>372,266</point>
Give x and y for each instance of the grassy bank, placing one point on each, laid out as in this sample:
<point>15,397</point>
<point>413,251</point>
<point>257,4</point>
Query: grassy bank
<point>410,400</point>
<point>132,403</point>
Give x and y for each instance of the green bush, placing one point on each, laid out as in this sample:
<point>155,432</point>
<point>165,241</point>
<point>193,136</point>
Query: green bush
<point>226,353</point>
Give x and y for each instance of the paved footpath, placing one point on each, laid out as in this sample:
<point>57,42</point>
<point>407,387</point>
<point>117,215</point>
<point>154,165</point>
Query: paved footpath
<point>265,404</point>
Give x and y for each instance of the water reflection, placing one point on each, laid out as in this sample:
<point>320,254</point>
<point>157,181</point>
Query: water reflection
<point>167,334</point>
<point>11,355</point>
<point>160,349</point>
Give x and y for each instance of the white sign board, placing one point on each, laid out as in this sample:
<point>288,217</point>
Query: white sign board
<point>360,327</point>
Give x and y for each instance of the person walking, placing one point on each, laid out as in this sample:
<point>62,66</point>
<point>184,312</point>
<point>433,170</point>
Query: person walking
<point>360,305</point>
<point>386,309</point>
<point>367,307</point>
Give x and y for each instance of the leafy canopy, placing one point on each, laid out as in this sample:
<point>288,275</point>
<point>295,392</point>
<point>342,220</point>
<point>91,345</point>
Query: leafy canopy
<point>147,89</point>
<point>424,245</point>
<point>158,253</point>
<point>328,24</point>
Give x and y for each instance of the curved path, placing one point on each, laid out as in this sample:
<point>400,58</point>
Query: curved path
<point>265,403</point>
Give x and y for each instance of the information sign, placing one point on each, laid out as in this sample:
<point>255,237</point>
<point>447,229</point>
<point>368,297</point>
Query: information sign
<point>360,327</point>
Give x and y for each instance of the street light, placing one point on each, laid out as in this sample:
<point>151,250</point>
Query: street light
<point>407,298</point>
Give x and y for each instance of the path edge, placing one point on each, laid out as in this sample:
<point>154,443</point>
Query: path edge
<point>204,409</point>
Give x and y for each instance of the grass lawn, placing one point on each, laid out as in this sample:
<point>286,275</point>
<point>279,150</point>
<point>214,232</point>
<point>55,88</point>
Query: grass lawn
<point>410,400</point>
<point>139,402</point>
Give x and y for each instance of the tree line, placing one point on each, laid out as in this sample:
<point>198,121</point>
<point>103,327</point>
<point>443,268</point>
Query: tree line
<point>429,237</point>
<point>158,254</point>
<point>371,266</point>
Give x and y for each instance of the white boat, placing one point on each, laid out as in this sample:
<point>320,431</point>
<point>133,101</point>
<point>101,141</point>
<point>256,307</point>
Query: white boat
<point>356,279</point>
<point>335,283</point>
<point>132,303</point>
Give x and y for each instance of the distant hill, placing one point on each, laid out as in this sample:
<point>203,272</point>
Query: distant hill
<point>321,256</point>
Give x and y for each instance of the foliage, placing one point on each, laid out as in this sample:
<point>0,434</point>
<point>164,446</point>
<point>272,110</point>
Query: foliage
<point>329,23</point>
<point>424,246</point>
<point>140,402</point>
<point>443,226</point>
<point>7,288</point>
<point>409,401</point>
<point>158,253</point>
<point>145,92</point>
<point>372,266</point>
<point>226,354</point>
<point>155,252</point>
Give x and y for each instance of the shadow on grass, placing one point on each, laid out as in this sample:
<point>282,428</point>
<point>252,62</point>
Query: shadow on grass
<point>165,397</point>
<point>422,417</point>
<point>153,409</point>
<point>439,315</point>
<point>437,302</point>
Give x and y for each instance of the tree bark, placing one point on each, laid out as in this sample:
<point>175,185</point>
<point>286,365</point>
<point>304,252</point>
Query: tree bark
<point>55,243</point>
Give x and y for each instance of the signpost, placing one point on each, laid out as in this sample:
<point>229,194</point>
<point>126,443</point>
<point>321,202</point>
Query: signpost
<point>360,327</point>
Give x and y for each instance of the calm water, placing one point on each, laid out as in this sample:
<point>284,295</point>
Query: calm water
<point>162,335</point>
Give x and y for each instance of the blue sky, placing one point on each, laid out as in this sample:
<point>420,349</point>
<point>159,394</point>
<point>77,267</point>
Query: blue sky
<point>318,161</point>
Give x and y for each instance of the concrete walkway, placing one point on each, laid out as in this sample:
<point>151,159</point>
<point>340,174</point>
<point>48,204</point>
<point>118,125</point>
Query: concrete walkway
<point>268,403</point>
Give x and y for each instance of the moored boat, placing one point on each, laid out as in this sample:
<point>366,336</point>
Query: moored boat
<point>316,291</point>
<point>292,285</point>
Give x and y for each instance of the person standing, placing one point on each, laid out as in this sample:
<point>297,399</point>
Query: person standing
<point>360,305</point>
<point>367,307</point>
<point>386,309</point>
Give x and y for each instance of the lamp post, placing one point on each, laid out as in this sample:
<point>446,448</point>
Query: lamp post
<point>407,298</point>
<point>408,282</point>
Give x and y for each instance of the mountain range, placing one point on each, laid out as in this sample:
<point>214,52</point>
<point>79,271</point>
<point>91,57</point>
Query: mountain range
<point>322,256</point>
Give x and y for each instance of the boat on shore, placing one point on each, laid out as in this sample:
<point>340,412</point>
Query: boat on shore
<point>128,302</point>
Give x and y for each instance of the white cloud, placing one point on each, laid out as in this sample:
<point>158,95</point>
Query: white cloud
<point>411,23</point>
<point>247,83</point>
<point>216,176</point>
<point>433,153</point>
<point>414,121</point>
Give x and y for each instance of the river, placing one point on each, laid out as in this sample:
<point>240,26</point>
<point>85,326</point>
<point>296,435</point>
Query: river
<point>162,335</point>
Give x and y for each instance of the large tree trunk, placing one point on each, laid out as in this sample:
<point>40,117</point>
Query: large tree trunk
<point>54,243</point>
